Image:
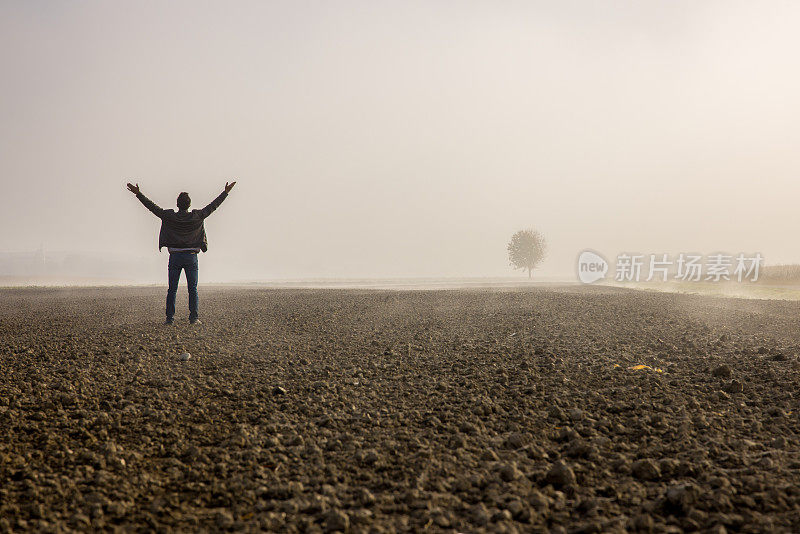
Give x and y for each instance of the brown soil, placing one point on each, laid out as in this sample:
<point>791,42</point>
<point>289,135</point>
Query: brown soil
<point>381,411</point>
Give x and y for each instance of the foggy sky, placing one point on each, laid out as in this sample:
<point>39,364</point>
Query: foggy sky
<point>402,138</point>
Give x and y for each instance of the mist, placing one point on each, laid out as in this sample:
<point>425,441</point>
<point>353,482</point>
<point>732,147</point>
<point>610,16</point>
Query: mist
<point>398,139</point>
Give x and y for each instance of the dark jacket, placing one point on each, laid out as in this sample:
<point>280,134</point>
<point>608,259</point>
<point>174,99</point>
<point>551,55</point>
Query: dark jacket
<point>182,229</point>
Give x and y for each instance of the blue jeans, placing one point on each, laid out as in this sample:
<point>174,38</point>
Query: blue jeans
<point>188,262</point>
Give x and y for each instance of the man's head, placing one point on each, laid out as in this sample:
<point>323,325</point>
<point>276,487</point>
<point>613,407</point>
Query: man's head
<point>184,201</point>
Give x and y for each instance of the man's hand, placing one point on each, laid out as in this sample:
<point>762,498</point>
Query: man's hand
<point>228,186</point>
<point>135,188</point>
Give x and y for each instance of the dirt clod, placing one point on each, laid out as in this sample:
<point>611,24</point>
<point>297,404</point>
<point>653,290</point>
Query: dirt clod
<point>560,475</point>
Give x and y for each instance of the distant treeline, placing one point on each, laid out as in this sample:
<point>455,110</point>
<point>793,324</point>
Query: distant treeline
<point>780,273</point>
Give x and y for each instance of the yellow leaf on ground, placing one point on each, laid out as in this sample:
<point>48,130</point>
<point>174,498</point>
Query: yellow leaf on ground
<point>639,367</point>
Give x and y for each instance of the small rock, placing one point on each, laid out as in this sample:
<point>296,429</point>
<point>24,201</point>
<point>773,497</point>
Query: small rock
<point>581,449</point>
<point>517,509</point>
<point>723,371</point>
<point>477,480</point>
<point>576,414</point>
<point>668,466</point>
<point>621,466</point>
<point>469,428</point>
<point>509,472</point>
<point>587,507</point>
<point>645,470</point>
<point>441,520</point>
<point>538,501</point>
<point>516,440</point>
<point>734,386</point>
<point>278,390</point>
<point>185,356</point>
<point>480,515</point>
<point>560,475</point>
<point>336,521</point>
<point>366,497</point>
<point>778,442</point>
<point>682,496</point>
<point>295,441</point>
<point>765,463</point>
<point>500,516</point>
<point>643,523</point>
<point>568,434</point>
<point>371,457</point>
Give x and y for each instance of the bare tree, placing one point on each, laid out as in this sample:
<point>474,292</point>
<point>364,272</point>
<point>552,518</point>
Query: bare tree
<point>526,250</point>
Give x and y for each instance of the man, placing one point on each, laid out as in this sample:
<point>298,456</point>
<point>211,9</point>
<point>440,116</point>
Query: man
<point>183,234</point>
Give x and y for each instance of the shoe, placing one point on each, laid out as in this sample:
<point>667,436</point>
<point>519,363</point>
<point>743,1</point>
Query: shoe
<point>168,322</point>
<point>195,321</point>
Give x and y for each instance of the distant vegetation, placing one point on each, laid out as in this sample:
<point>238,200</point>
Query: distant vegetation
<point>788,274</point>
<point>526,250</point>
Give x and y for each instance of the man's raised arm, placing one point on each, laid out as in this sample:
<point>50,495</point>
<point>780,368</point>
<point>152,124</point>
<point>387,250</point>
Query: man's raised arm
<point>149,204</point>
<point>208,210</point>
